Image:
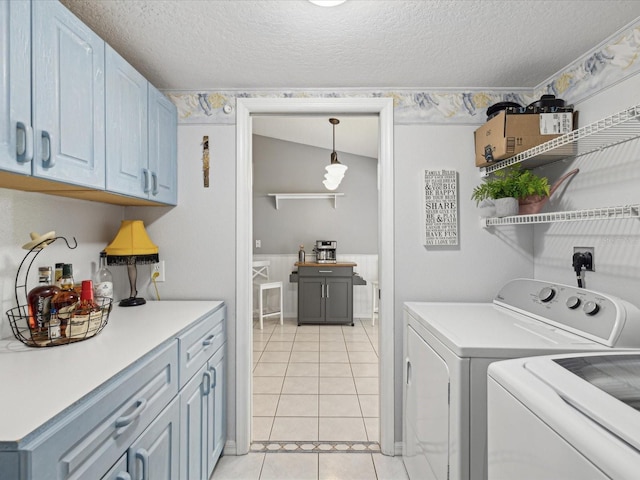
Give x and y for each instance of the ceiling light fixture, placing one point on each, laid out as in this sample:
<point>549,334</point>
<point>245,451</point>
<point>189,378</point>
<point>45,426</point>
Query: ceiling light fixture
<point>335,170</point>
<point>327,3</point>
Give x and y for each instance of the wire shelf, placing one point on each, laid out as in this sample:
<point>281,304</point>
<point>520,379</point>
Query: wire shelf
<point>607,132</point>
<point>604,213</point>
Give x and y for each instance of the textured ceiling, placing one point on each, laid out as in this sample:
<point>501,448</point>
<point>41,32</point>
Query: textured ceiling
<point>281,44</point>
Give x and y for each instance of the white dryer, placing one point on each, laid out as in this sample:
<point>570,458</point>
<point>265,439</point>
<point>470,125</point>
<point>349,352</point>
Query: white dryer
<point>449,346</point>
<point>565,417</point>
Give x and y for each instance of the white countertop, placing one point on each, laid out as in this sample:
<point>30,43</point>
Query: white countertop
<point>36,384</point>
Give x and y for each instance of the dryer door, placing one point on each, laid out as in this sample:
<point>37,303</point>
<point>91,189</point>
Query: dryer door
<point>426,420</point>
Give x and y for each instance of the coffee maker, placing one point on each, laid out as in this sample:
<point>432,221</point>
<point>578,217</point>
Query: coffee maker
<point>325,251</point>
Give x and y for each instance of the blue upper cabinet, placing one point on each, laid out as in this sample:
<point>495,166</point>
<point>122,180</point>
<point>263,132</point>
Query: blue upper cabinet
<point>16,134</point>
<point>163,148</point>
<point>126,127</point>
<point>141,135</point>
<point>68,89</point>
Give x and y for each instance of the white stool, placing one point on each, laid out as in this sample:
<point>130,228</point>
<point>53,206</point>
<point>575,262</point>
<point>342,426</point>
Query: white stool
<point>374,302</point>
<point>261,279</point>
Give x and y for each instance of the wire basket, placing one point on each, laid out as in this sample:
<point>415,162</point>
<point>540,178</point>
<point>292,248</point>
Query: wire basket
<point>59,331</point>
<point>73,327</point>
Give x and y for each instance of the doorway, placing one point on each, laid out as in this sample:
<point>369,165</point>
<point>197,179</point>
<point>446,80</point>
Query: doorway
<point>245,109</point>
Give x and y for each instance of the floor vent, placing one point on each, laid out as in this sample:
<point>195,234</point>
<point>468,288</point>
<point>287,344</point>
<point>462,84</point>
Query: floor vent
<point>315,447</point>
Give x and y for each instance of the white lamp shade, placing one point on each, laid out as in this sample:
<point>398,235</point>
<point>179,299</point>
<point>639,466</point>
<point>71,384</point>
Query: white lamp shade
<point>331,185</point>
<point>336,169</point>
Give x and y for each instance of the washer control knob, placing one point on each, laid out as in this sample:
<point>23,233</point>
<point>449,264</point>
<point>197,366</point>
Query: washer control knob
<point>546,294</point>
<point>573,302</point>
<point>591,308</point>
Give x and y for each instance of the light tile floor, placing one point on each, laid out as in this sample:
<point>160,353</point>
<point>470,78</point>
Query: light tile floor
<point>314,384</point>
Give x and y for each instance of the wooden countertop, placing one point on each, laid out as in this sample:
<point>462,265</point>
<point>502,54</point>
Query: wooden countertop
<point>313,264</point>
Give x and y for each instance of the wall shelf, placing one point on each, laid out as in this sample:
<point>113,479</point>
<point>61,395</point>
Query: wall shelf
<point>305,196</point>
<point>618,128</point>
<point>605,213</point>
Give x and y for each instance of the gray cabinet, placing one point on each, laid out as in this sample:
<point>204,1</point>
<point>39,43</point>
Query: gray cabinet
<point>325,295</point>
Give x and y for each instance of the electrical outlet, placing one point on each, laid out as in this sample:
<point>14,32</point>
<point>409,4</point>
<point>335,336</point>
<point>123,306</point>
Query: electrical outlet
<point>258,244</point>
<point>590,250</point>
<point>158,268</point>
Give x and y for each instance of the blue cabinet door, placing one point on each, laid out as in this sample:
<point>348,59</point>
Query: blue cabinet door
<point>163,148</point>
<point>155,455</point>
<point>193,425</point>
<point>68,98</point>
<point>16,134</point>
<point>126,127</point>
<point>217,431</point>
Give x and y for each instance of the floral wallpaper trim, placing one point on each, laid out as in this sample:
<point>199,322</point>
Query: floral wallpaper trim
<point>612,61</point>
<point>411,106</point>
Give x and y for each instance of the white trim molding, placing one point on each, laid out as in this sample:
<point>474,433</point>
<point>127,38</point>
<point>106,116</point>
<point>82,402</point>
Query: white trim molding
<point>245,108</point>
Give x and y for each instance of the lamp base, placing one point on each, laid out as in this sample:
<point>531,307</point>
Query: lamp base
<point>132,302</point>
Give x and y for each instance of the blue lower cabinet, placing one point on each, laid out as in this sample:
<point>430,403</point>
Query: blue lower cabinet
<point>203,421</point>
<point>155,455</point>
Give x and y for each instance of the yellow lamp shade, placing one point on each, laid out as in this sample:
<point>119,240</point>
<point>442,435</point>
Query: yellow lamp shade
<point>131,239</point>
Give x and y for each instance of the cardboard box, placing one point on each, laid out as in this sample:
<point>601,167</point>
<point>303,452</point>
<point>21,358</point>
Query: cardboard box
<point>508,134</point>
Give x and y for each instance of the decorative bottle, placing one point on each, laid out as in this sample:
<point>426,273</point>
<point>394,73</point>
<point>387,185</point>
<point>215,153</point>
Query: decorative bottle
<point>103,281</point>
<point>39,304</point>
<point>66,300</point>
<point>301,254</point>
<point>87,316</point>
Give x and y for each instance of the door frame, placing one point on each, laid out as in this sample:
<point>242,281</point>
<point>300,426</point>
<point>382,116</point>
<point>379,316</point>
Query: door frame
<point>245,108</point>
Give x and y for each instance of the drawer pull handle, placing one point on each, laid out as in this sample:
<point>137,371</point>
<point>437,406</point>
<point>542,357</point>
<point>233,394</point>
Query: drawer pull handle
<point>48,161</point>
<point>143,456</point>
<point>207,384</point>
<point>208,341</point>
<point>123,476</point>
<point>123,422</point>
<point>24,142</point>
<point>325,271</point>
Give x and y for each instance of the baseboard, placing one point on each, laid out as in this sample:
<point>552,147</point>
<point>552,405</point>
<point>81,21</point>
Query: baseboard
<point>398,448</point>
<point>230,448</point>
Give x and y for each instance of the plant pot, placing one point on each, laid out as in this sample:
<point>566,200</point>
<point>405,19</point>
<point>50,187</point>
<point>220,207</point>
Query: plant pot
<point>505,207</point>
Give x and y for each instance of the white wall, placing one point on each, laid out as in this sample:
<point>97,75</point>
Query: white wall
<point>197,238</point>
<point>607,178</point>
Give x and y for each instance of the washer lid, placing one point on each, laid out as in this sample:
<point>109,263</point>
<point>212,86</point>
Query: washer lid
<point>491,331</point>
<point>598,425</point>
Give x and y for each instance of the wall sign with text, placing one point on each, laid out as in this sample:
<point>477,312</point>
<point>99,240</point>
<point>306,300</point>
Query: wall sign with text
<point>440,207</point>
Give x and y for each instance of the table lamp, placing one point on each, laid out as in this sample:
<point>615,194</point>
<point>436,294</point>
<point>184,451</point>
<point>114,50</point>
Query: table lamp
<point>132,246</point>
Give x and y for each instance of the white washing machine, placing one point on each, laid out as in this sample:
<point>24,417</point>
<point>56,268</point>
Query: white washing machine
<point>565,417</point>
<point>449,346</point>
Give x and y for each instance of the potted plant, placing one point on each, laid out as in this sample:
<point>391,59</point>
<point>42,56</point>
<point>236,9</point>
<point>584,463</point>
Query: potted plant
<point>511,183</point>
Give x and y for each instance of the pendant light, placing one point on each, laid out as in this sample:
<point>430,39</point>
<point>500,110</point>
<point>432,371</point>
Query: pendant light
<point>335,170</point>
